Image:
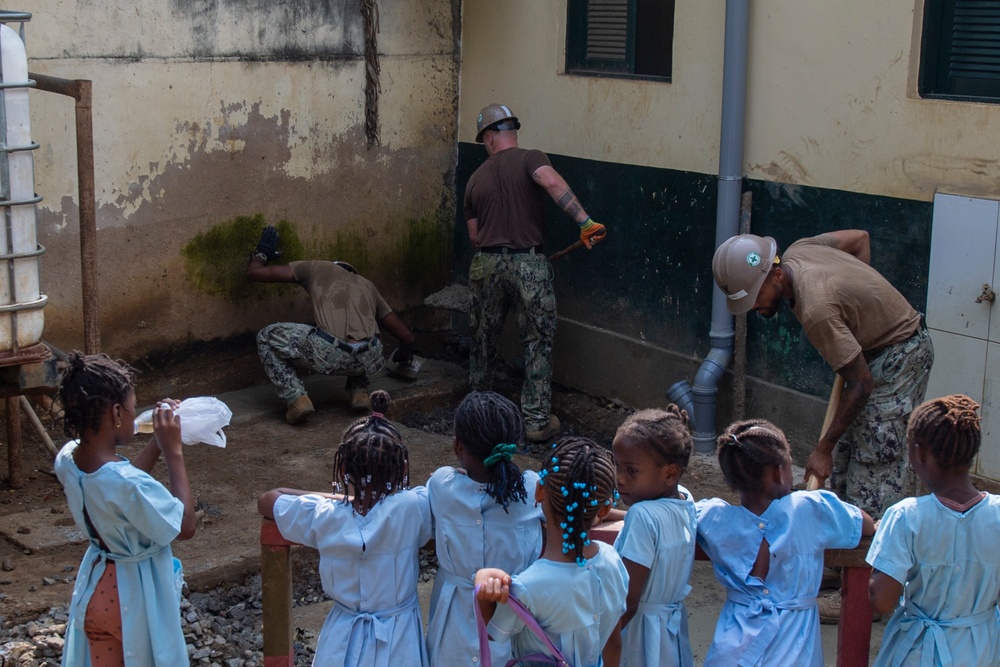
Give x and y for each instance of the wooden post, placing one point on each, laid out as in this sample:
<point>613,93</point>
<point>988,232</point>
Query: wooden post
<point>276,596</point>
<point>16,473</point>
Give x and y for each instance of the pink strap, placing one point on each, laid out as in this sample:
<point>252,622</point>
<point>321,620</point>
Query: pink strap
<point>555,655</point>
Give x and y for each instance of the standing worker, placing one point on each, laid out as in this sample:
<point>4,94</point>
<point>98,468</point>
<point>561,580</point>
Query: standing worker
<point>868,333</point>
<point>504,210</point>
<point>345,339</point>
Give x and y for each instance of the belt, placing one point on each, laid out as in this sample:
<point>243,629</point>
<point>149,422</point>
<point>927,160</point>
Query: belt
<point>879,351</point>
<point>346,347</point>
<point>504,250</point>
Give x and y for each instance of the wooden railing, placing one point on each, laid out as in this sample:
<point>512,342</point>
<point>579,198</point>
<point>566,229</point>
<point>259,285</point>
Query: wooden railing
<point>854,632</point>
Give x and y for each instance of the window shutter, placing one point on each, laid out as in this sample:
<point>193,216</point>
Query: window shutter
<point>975,47</point>
<point>607,30</point>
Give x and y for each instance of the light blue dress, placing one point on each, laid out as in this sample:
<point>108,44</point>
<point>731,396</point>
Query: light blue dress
<point>949,565</point>
<point>660,534</point>
<point>137,518</point>
<point>369,565</point>
<point>577,607</point>
<point>775,621</point>
<point>472,531</point>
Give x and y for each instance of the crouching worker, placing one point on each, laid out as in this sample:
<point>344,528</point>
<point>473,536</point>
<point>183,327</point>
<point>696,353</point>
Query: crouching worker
<point>347,309</point>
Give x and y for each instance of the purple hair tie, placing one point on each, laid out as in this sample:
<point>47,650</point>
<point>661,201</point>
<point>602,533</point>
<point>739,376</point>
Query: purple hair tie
<point>378,414</point>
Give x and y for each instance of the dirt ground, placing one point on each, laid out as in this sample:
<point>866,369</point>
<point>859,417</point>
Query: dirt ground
<point>42,548</point>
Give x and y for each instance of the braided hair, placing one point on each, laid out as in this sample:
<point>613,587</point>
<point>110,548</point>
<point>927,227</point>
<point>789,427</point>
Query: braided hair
<point>490,427</point>
<point>579,477</point>
<point>949,427</point>
<point>746,449</point>
<point>663,432</point>
<point>371,457</point>
<point>91,385</point>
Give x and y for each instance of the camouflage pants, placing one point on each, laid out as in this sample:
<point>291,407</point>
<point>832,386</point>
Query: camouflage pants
<point>524,281</point>
<point>285,346</point>
<point>870,464</point>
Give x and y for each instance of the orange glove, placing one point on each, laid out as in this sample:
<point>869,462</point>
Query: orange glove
<point>592,233</point>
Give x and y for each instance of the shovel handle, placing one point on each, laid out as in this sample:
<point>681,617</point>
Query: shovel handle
<point>565,251</point>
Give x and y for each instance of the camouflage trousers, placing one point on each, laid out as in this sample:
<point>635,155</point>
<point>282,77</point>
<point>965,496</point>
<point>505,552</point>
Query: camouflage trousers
<point>870,464</point>
<point>286,346</point>
<point>522,281</point>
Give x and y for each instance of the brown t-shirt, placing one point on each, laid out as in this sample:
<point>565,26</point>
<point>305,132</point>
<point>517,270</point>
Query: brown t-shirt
<point>344,304</point>
<point>506,201</point>
<point>844,305</point>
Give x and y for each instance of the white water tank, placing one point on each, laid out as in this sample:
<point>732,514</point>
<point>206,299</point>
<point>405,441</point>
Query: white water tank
<point>21,318</point>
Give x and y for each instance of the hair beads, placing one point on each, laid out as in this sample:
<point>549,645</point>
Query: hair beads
<point>579,476</point>
<point>372,457</point>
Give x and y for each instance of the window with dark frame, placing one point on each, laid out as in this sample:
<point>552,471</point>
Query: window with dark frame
<point>626,38</point>
<point>960,54</point>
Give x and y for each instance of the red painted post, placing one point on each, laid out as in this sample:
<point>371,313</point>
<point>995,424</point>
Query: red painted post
<point>276,596</point>
<point>854,632</point>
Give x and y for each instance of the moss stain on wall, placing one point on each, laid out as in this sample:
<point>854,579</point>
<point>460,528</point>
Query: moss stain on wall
<point>215,260</point>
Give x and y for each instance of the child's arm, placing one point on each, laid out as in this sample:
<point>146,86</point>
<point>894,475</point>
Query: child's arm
<point>867,524</point>
<point>492,587</point>
<point>150,454</point>
<point>167,435</point>
<point>614,514</point>
<point>612,653</point>
<point>637,576</point>
<point>266,500</point>
<point>884,592</point>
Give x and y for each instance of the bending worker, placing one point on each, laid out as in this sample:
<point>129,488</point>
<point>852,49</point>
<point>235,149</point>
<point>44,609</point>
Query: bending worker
<point>345,340</point>
<point>868,333</point>
<point>504,211</point>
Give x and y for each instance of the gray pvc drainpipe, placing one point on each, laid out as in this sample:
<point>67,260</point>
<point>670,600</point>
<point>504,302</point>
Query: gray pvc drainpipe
<point>700,400</point>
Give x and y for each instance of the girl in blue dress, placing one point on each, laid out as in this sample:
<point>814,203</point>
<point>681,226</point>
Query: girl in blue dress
<point>576,590</point>
<point>652,449</point>
<point>768,551</point>
<point>481,517</point>
<point>125,608</point>
<point>936,562</point>
<point>368,541</point>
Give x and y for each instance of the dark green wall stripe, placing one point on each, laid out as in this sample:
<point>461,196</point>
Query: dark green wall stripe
<point>651,279</point>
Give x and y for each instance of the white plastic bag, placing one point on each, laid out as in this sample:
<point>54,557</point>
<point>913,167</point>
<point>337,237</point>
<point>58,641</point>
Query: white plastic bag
<point>202,420</point>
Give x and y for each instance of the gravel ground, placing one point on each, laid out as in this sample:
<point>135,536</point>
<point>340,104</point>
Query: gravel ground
<point>222,627</point>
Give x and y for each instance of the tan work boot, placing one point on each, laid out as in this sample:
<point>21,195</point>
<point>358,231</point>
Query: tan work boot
<point>829,606</point>
<point>299,410</point>
<point>544,432</point>
<point>360,401</point>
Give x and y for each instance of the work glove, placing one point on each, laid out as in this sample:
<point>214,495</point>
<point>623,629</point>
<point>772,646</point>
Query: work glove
<point>592,233</point>
<point>267,247</point>
<point>405,369</point>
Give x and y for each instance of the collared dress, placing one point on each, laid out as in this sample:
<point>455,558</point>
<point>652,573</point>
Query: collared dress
<point>369,566</point>
<point>577,607</point>
<point>137,518</point>
<point>949,565</point>
<point>660,535</point>
<point>774,621</point>
<point>473,531</point>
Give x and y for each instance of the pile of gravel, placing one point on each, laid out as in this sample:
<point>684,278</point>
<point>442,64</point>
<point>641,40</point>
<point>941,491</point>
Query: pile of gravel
<point>222,627</point>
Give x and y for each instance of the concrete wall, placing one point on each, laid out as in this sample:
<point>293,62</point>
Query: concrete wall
<point>836,137</point>
<point>214,117</point>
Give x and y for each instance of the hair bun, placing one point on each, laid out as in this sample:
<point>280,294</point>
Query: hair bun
<point>380,400</point>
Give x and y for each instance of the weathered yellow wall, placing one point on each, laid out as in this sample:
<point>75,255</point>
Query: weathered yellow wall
<point>831,97</point>
<point>204,112</point>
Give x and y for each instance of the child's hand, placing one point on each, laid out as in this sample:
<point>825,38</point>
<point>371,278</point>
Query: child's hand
<point>167,426</point>
<point>492,585</point>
